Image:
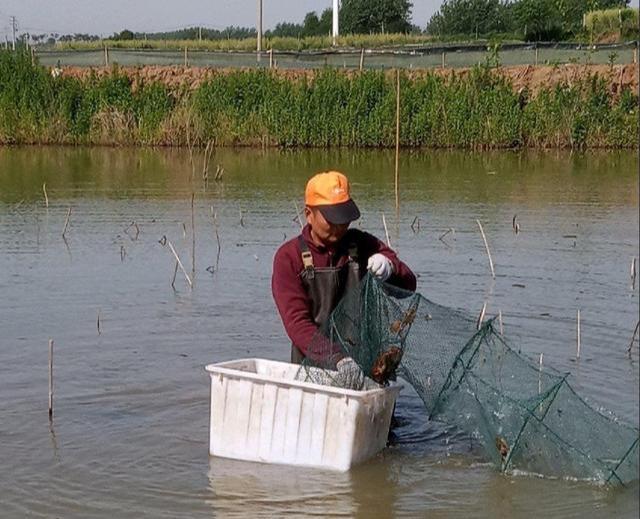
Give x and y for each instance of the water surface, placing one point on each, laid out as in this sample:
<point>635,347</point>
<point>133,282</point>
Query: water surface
<point>130,429</point>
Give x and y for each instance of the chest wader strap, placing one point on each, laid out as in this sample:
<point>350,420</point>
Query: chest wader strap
<point>307,259</point>
<point>353,252</point>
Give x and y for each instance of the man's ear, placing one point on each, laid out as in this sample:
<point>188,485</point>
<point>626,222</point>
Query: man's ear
<point>307,212</point>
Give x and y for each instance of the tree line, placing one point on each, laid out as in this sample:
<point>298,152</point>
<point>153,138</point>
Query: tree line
<point>533,20</point>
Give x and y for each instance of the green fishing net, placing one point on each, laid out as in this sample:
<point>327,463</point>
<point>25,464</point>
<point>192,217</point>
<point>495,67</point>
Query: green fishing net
<point>527,419</point>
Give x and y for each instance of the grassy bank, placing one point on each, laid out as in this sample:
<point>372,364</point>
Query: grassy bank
<point>479,109</point>
<point>369,41</point>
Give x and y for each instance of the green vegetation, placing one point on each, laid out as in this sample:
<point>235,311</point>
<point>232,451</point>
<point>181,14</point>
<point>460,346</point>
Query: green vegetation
<point>477,110</point>
<point>599,24</point>
<point>533,20</point>
<point>249,44</point>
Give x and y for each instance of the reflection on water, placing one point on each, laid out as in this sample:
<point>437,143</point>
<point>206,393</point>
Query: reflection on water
<point>129,436</point>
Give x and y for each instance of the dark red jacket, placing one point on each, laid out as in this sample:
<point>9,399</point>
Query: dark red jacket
<point>289,293</point>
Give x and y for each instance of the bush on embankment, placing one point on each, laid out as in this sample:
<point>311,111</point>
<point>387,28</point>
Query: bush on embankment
<point>476,110</point>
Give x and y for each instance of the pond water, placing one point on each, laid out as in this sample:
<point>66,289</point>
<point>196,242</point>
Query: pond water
<point>129,435</point>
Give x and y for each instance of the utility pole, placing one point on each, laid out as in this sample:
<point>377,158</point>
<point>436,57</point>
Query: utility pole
<point>259,46</point>
<point>14,27</point>
<point>335,28</point>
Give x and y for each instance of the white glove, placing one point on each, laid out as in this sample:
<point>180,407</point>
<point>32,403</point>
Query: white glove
<point>380,266</point>
<point>349,376</point>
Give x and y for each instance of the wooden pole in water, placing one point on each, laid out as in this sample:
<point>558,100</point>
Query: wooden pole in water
<point>46,198</point>
<point>397,190</point>
<point>633,338</point>
<point>299,218</point>
<point>66,223</point>
<point>386,231</point>
<point>540,374</point>
<point>271,57</point>
<point>362,59</point>
<point>444,59</point>
<point>536,60</point>
<point>486,246</point>
<point>633,274</point>
<point>186,57</point>
<point>578,335</point>
<point>50,379</point>
<point>106,55</point>
<point>175,254</point>
<point>500,322</point>
<point>193,236</point>
<point>481,315</point>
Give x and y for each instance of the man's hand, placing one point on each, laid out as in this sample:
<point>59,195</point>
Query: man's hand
<point>349,376</point>
<point>380,266</point>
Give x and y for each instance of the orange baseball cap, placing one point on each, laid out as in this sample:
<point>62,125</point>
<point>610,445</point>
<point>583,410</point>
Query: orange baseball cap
<point>329,193</point>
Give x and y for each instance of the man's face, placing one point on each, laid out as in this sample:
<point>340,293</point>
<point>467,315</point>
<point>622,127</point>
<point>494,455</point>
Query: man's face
<point>322,231</point>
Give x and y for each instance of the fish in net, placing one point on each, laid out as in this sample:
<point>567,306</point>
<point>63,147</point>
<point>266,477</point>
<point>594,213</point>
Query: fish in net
<point>527,420</point>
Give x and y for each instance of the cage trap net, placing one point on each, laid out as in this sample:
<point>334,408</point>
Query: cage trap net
<point>527,419</point>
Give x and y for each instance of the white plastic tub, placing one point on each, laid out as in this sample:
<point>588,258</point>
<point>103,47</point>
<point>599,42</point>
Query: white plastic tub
<point>260,412</point>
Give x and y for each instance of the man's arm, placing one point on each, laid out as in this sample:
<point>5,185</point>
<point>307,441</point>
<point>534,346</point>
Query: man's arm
<point>402,276</point>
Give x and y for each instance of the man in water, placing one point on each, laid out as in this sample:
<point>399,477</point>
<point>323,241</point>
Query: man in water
<point>313,271</point>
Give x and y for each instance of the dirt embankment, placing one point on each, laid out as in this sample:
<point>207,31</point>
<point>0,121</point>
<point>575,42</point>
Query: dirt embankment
<point>534,78</point>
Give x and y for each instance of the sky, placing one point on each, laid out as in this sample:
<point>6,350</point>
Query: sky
<point>104,17</point>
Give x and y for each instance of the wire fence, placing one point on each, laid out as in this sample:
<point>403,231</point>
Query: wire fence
<point>405,57</point>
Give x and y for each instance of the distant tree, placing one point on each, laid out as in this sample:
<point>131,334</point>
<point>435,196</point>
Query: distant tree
<point>471,17</point>
<point>375,16</point>
<point>285,29</point>
<point>124,35</point>
<point>326,22</point>
<point>311,24</point>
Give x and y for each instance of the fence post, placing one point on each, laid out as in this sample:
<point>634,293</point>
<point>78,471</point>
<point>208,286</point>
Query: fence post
<point>361,58</point>
<point>106,55</point>
<point>271,57</point>
<point>444,59</point>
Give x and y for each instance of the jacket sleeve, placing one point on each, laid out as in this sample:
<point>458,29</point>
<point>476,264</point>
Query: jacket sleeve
<point>402,276</point>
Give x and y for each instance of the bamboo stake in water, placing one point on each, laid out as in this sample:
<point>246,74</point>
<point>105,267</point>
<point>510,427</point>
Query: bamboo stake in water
<point>633,338</point>
<point>486,246</point>
<point>540,374</point>
<point>481,315</point>
<point>386,231</point>
<point>397,139</point>
<point>500,322</point>
<point>193,236</point>
<point>98,322</point>
<point>66,223</point>
<point>175,254</point>
<point>46,198</point>
<point>50,379</point>
<point>173,279</point>
<point>186,59</point>
<point>298,215</point>
<point>578,336</point>
<point>633,274</point>
<point>362,58</point>
<point>106,56</point>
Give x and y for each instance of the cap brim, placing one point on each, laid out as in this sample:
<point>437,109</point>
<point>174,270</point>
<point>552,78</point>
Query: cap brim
<point>339,214</point>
